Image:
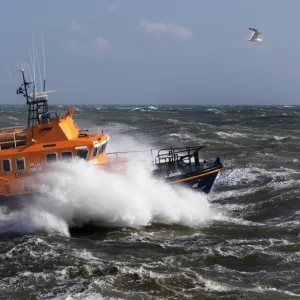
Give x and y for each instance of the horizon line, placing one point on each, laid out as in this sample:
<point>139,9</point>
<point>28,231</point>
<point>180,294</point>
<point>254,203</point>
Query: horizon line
<point>152,104</point>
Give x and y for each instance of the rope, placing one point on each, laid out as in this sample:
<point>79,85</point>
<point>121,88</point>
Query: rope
<point>134,151</point>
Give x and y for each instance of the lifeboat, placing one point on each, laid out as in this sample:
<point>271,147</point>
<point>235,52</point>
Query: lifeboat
<point>27,152</point>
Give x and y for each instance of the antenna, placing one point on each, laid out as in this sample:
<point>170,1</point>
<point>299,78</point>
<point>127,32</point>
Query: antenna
<point>33,64</point>
<point>8,71</point>
<point>31,60</point>
<point>37,57</point>
<point>44,85</point>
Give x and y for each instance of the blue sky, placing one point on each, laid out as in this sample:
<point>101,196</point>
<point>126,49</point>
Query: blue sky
<point>155,52</point>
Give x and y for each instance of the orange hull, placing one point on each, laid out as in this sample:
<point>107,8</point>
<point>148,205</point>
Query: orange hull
<point>58,139</point>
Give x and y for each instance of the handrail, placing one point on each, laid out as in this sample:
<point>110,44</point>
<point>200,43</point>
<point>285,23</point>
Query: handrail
<point>173,153</point>
<point>11,141</point>
<point>15,141</point>
<point>177,155</point>
<point>13,133</point>
<point>134,151</point>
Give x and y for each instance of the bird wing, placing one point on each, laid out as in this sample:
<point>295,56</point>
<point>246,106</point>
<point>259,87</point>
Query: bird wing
<point>255,34</point>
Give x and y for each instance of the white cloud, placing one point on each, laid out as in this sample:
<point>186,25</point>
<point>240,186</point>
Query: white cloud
<point>102,44</point>
<point>112,8</point>
<point>157,28</point>
<point>90,48</point>
<point>75,27</point>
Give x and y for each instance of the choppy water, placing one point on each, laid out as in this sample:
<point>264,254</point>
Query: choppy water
<point>155,242</point>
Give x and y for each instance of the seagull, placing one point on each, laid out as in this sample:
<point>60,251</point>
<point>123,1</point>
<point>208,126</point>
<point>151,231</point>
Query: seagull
<point>255,36</point>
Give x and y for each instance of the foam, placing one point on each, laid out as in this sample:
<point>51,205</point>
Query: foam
<point>77,193</point>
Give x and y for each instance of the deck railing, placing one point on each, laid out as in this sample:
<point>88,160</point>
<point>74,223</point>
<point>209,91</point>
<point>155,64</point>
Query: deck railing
<point>121,153</point>
<point>13,141</point>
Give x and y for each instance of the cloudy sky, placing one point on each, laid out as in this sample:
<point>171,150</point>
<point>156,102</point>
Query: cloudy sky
<point>155,52</point>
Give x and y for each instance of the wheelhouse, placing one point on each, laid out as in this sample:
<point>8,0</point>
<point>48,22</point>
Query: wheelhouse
<point>48,138</point>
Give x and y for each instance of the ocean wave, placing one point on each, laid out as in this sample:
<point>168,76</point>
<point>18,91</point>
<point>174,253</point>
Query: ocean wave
<point>232,134</point>
<point>181,135</point>
<point>136,108</point>
<point>131,199</point>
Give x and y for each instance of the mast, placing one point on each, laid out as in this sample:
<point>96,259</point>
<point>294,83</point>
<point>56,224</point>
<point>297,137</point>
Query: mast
<point>37,102</point>
<point>25,84</point>
<point>37,105</point>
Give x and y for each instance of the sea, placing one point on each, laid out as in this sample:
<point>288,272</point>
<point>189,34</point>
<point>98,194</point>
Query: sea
<point>99,235</point>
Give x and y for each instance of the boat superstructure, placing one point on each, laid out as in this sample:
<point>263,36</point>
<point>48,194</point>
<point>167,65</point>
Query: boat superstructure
<point>47,138</point>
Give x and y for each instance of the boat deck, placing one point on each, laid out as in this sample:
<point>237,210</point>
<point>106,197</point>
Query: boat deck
<point>173,170</point>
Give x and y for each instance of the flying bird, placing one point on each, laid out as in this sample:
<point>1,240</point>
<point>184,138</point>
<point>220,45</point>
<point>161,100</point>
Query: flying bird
<point>255,35</point>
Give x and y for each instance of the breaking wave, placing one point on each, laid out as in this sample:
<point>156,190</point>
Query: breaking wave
<point>77,193</point>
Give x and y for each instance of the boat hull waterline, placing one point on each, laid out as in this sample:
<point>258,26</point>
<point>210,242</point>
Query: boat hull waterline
<point>201,182</point>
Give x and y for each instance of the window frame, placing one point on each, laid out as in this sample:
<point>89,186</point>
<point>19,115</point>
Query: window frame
<point>50,153</point>
<point>9,165</point>
<point>104,145</point>
<point>92,153</point>
<point>82,148</point>
<point>24,161</point>
<point>100,150</point>
<point>69,151</point>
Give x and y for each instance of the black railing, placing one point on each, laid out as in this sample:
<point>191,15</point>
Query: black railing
<point>175,156</point>
<point>178,155</point>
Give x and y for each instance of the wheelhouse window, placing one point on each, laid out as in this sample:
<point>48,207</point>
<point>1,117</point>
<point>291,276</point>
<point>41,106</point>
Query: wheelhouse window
<point>98,149</point>
<point>6,165</point>
<point>66,155</point>
<point>51,158</point>
<point>94,153</point>
<point>20,163</point>
<point>82,152</point>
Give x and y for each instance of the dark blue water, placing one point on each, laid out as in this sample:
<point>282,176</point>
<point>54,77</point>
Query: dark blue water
<point>151,241</point>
